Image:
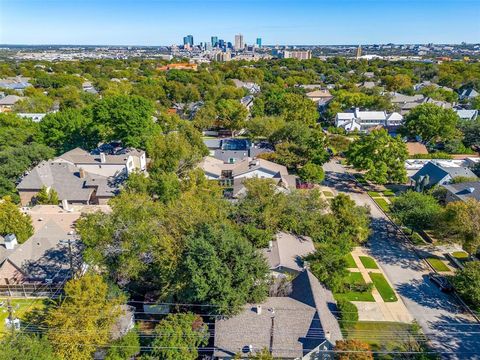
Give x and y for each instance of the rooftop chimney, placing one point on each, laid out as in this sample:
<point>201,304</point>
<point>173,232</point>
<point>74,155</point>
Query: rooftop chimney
<point>258,309</point>
<point>65,201</point>
<point>10,241</point>
<point>270,244</point>
<point>81,173</point>
<point>471,190</point>
<point>103,158</point>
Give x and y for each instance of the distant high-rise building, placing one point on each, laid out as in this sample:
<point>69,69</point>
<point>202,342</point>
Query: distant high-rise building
<point>223,56</point>
<point>297,54</point>
<point>359,52</point>
<point>259,42</point>
<point>188,40</point>
<point>214,41</point>
<point>221,43</point>
<point>239,45</point>
<point>229,45</point>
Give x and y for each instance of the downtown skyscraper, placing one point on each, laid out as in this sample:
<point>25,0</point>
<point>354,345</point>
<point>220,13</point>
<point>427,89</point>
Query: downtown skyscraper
<point>239,44</point>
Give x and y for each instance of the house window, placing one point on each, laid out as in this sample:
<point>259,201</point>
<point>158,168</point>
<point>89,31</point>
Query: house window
<point>231,160</point>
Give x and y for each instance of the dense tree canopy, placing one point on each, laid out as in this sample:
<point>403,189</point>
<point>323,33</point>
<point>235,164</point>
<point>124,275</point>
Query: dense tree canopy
<point>466,283</point>
<point>380,155</point>
<point>431,123</point>
<point>13,221</point>
<point>416,210</point>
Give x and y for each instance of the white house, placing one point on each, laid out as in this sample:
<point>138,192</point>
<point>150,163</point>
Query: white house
<point>364,120</point>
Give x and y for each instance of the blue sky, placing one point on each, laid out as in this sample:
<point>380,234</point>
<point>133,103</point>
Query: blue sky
<point>159,22</point>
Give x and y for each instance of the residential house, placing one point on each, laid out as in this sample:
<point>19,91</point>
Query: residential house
<point>462,191</point>
<point>285,253</point>
<point>7,103</point>
<point>35,117</point>
<point>470,115</point>
<point>18,83</point>
<point>251,87</point>
<point>234,150</point>
<point>437,173</point>
<point>405,103</point>
<point>298,326</point>
<point>321,97</point>
<point>247,101</point>
<point>45,255</point>
<point>233,175</point>
<point>88,87</point>
<point>365,120</point>
<point>106,164</point>
<point>468,94</point>
<point>187,111</point>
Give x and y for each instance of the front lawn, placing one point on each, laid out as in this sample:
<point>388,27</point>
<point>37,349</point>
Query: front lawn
<point>384,335</point>
<point>383,287</point>
<point>383,204</point>
<point>328,193</point>
<point>355,278</point>
<point>350,262</point>
<point>373,193</point>
<point>368,262</point>
<point>388,193</point>
<point>438,264</point>
<point>460,255</point>
<point>22,308</point>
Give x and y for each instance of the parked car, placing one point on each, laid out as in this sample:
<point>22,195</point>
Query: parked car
<point>441,282</point>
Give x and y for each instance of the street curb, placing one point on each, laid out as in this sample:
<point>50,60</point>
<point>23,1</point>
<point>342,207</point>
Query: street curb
<point>411,245</point>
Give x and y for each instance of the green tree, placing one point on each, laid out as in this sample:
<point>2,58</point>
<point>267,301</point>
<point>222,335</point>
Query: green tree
<point>352,350</point>
<point>125,118</point>
<point>471,133</point>
<point>397,82</point>
<point>221,267</point>
<point>25,347</point>
<point>381,155</point>
<point>231,114</point>
<point>311,173</point>
<point>466,283</point>
<point>178,336</point>
<point>299,108</point>
<point>354,221</point>
<point>83,319</point>
<point>13,221</point>
<point>47,196</point>
<point>68,129</point>
<point>431,122</point>
<point>416,210</point>
<point>461,221</point>
<point>124,348</point>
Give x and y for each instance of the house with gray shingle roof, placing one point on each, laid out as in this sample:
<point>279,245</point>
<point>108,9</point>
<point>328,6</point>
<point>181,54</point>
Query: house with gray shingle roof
<point>468,94</point>
<point>45,255</point>
<point>434,173</point>
<point>462,191</point>
<point>298,326</point>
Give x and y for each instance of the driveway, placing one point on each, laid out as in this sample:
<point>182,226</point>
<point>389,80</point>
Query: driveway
<point>451,332</point>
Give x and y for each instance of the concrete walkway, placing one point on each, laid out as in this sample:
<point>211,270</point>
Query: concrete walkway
<point>378,310</point>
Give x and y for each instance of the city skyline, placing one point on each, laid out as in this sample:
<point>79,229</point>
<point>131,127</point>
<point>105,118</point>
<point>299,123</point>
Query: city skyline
<point>155,23</point>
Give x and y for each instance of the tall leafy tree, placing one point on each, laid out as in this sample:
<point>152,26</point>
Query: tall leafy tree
<point>416,210</point>
<point>125,118</point>
<point>13,221</point>
<point>461,221</point>
<point>431,123</point>
<point>231,114</point>
<point>178,336</point>
<point>466,283</point>
<point>222,268</point>
<point>83,319</point>
<point>380,155</point>
<point>26,347</point>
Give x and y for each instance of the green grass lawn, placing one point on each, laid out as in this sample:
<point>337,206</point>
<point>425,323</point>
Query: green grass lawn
<point>388,193</point>
<point>355,278</point>
<point>328,193</point>
<point>373,333</point>
<point>460,255</point>
<point>416,238</point>
<point>383,287</point>
<point>438,264</point>
<point>21,308</point>
<point>368,262</point>
<point>383,204</point>
<point>373,193</point>
<point>350,261</point>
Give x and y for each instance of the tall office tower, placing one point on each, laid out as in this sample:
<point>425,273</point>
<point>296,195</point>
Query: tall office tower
<point>188,40</point>
<point>229,45</point>
<point>214,41</point>
<point>239,45</point>
<point>221,43</point>
<point>259,42</point>
<point>359,52</point>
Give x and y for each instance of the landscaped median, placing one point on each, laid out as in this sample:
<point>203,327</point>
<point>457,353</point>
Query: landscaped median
<point>438,264</point>
<point>368,262</point>
<point>356,282</point>
<point>383,287</point>
<point>350,262</point>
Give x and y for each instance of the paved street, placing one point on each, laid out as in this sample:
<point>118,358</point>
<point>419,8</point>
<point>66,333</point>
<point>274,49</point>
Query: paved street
<point>449,329</point>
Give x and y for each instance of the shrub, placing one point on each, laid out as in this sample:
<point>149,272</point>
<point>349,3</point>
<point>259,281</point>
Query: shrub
<point>348,313</point>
